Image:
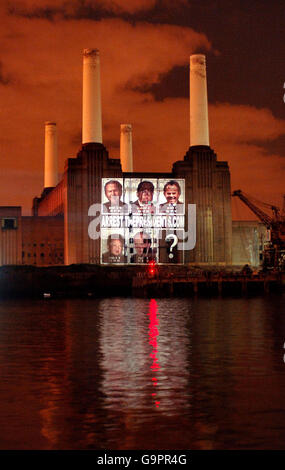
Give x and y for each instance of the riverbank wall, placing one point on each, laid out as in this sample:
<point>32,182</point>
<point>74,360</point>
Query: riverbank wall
<point>105,281</point>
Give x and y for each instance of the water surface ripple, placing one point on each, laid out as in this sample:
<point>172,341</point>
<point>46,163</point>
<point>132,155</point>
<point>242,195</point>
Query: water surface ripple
<point>124,373</point>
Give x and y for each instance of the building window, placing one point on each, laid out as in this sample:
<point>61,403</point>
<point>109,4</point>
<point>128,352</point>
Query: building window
<point>9,223</point>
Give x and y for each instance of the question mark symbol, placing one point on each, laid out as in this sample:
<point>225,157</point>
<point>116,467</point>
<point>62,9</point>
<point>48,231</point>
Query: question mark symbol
<point>174,239</point>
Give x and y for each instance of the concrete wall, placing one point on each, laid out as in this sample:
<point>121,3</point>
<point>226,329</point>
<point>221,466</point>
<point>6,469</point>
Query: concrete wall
<point>208,186</point>
<point>82,188</point>
<point>51,201</point>
<point>248,242</point>
<point>42,241</point>
<point>10,235</point>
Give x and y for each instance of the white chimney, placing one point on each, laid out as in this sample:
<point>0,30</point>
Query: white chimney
<point>51,164</point>
<point>91,103</point>
<point>126,148</point>
<point>199,124</point>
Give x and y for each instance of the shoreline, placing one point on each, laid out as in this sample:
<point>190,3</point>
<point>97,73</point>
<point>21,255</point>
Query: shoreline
<point>85,280</point>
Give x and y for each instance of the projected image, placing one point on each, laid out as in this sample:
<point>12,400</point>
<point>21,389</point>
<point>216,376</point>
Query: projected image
<point>143,247</point>
<point>144,203</point>
<point>137,216</point>
<point>172,194</point>
<point>113,247</point>
<point>111,197</point>
<point>141,195</point>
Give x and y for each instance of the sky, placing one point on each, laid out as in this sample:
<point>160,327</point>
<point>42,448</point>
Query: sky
<point>144,52</point>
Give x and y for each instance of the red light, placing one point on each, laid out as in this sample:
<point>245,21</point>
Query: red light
<point>151,268</point>
<point>153,334</point>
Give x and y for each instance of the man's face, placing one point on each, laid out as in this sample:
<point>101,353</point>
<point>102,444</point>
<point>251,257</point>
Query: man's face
<point>145,196</point>
<point>171,194</point>
<point>141,244</point>
<point>116,247</point>
<point>113,193</point>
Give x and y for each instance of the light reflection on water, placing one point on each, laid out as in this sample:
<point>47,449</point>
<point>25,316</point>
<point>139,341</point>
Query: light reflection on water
<point>78,374</point>
<point>153,334</point>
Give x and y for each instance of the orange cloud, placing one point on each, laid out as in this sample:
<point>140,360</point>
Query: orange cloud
<point>244,123</point>
<point>238,133</point>
<point>131,6</point>
<point>117,6</point>
<point>43,61</point>
<point>46,84</point>
<point>71,7</point>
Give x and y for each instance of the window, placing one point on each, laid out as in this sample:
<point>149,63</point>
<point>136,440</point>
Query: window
<point>9,223</point>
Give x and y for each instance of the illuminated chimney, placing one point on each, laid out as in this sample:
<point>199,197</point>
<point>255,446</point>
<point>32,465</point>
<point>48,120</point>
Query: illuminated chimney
<point>199,124</point>
<point>126,148</point>
<point>91,112</point>
<point>51,165</point>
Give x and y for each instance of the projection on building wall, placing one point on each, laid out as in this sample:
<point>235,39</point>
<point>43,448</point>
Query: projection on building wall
<point>142,220</point>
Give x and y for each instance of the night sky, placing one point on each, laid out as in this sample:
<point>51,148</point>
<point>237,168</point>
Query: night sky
<point>144,48</point>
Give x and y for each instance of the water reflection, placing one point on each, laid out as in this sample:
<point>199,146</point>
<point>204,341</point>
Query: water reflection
<point>79,374</point>
<point>145,350</point>
<point>153,334</point>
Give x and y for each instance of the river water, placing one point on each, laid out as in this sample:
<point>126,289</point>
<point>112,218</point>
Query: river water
<point>124,373</point>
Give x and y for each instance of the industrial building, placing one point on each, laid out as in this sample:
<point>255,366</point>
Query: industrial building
<point>57,231</point>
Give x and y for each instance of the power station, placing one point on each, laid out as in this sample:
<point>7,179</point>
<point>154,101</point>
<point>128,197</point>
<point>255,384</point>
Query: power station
<point>57,231</point>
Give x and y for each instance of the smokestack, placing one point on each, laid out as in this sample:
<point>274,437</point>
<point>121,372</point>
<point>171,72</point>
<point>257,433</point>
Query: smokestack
<point>199,124</point>
<point>51,165</point>
<point>126,148</point>
<point>91,112</point>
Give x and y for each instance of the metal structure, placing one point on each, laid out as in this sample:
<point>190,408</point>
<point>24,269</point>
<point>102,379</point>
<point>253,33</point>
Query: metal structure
<point>274,250</point>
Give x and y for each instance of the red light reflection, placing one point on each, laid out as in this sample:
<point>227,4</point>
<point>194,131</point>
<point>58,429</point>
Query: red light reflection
<point>151,269</point>
<point>153,334</point>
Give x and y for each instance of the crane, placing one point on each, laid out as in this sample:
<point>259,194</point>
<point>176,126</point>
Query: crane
<point>274,253</point>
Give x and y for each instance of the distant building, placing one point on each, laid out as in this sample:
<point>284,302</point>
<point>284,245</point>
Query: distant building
<point>57,231</point>
<point>249,238</point>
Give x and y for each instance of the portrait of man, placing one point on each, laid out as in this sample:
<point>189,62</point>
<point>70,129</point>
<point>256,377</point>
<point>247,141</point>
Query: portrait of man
<point>143,250</point>
<point>172,192</point>
<point>113,192</point>
<point>115,253</point>
<point>144,204</point>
